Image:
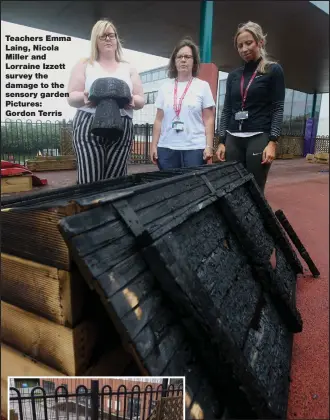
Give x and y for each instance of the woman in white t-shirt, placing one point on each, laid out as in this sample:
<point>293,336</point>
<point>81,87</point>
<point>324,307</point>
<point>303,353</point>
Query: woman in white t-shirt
<point>184,126</point>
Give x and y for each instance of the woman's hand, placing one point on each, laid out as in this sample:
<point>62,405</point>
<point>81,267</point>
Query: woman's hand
<point>208,153</point>
<point>131,105</point>
<point>221,152</point>
<point>269,153</point>
<point>153,153</point>
<point>87,102</point>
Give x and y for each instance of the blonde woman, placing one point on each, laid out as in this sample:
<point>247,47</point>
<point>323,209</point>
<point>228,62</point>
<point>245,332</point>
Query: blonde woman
<point>252,115</point>
<point>96,158</point>
<point>184,126</point>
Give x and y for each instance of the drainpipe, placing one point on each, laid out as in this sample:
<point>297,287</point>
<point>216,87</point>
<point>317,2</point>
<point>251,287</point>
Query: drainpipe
<point>206,31</point>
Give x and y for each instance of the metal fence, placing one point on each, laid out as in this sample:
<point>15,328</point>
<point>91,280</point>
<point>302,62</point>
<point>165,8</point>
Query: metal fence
<point>24,140</point>
<point>21,141</point>
<point>105,403</point>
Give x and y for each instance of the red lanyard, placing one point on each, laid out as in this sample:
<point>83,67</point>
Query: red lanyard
<point>177,108</point>
<point>244,94</point>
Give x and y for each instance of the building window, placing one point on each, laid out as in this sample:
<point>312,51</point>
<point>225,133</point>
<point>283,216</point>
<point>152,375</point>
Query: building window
<point>150,97</point>
<point>133,408</point>
<point>309,106</point>
<point>288,95</point>
<point>162,74</point>
<point>115,406</point>
<point>222,87</point>
<point>49,387</point>
<point>298,117</point>
<point>26,383</point>
<point>155,75</point>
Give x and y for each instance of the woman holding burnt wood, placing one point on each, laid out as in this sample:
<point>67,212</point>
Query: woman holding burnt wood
<point>97,159</point>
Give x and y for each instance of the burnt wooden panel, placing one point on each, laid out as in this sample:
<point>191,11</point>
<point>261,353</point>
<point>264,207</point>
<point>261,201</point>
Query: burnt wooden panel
<point>35,216</point>
<point>174,272</point>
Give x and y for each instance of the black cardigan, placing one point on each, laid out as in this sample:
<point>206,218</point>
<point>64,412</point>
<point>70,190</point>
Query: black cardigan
<point>264,102</point>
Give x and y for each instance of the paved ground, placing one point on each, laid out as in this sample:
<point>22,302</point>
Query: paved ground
<point>301,190</point>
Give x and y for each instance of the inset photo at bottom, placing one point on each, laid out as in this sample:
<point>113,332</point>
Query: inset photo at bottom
<point>103,398</point>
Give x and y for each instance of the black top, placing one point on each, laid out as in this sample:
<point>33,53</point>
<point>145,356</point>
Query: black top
<point>264,102</point>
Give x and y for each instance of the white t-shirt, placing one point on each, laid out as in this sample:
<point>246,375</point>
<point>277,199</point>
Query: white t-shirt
<point>197,98</point>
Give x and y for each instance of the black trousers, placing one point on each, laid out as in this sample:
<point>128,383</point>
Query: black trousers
<point>96,158</point>
<point>248,151</point>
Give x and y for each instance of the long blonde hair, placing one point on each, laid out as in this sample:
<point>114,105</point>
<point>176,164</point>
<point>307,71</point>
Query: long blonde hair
<point>99,29</point>
<point>258,35</point>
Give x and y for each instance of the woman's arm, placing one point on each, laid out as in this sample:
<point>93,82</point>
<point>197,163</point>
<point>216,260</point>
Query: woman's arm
<point>208,118</point>
<point>156,134</point>
<point>138,95</point>
<point>157,126</point>
<point>76,86</point>
<point>277,98</point>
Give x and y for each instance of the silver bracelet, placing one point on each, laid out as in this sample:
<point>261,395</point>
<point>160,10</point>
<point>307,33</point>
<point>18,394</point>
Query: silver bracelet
<point>210,147</point>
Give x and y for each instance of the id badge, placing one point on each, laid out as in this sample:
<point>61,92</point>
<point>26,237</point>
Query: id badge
<point>241,115</point>
<point>178,125</point>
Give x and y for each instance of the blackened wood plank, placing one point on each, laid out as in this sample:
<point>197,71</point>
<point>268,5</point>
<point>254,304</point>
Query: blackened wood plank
<point>259,245</point>
<point>274,226</point>
<point>297,242</point>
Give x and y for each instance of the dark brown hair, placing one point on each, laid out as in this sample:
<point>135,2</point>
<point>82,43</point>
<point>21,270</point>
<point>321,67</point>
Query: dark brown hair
<point>186,42</point>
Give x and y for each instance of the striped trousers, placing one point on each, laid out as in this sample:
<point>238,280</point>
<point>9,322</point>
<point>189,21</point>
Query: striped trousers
<point>96,158</point>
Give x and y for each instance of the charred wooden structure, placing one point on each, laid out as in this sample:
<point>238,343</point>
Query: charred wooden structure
<point>48,311</point>
<point>196,274</point>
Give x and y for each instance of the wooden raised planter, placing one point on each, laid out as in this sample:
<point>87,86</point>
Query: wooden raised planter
<point>17,183</point>
<point>52,163</point>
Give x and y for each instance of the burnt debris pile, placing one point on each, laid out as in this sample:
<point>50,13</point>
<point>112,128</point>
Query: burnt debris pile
<point>194,272</point>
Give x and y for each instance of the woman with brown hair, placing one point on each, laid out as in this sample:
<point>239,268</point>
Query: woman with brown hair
<point>96,158</point>
<point>252,115</point>
<point>184,126</point>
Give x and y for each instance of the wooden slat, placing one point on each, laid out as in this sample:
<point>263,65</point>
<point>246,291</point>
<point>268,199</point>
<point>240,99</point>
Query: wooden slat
<point>10,184</point>
<point>51,164</point>
<point>34,236</point>
<point>39,214</point>
<point>61,157</point>
<point>15,363</point>
<point>64,349</point>
<point>44,290</point>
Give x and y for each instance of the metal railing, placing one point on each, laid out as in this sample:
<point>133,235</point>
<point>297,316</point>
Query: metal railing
<point>23,140</point>
<point>89,404</point>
